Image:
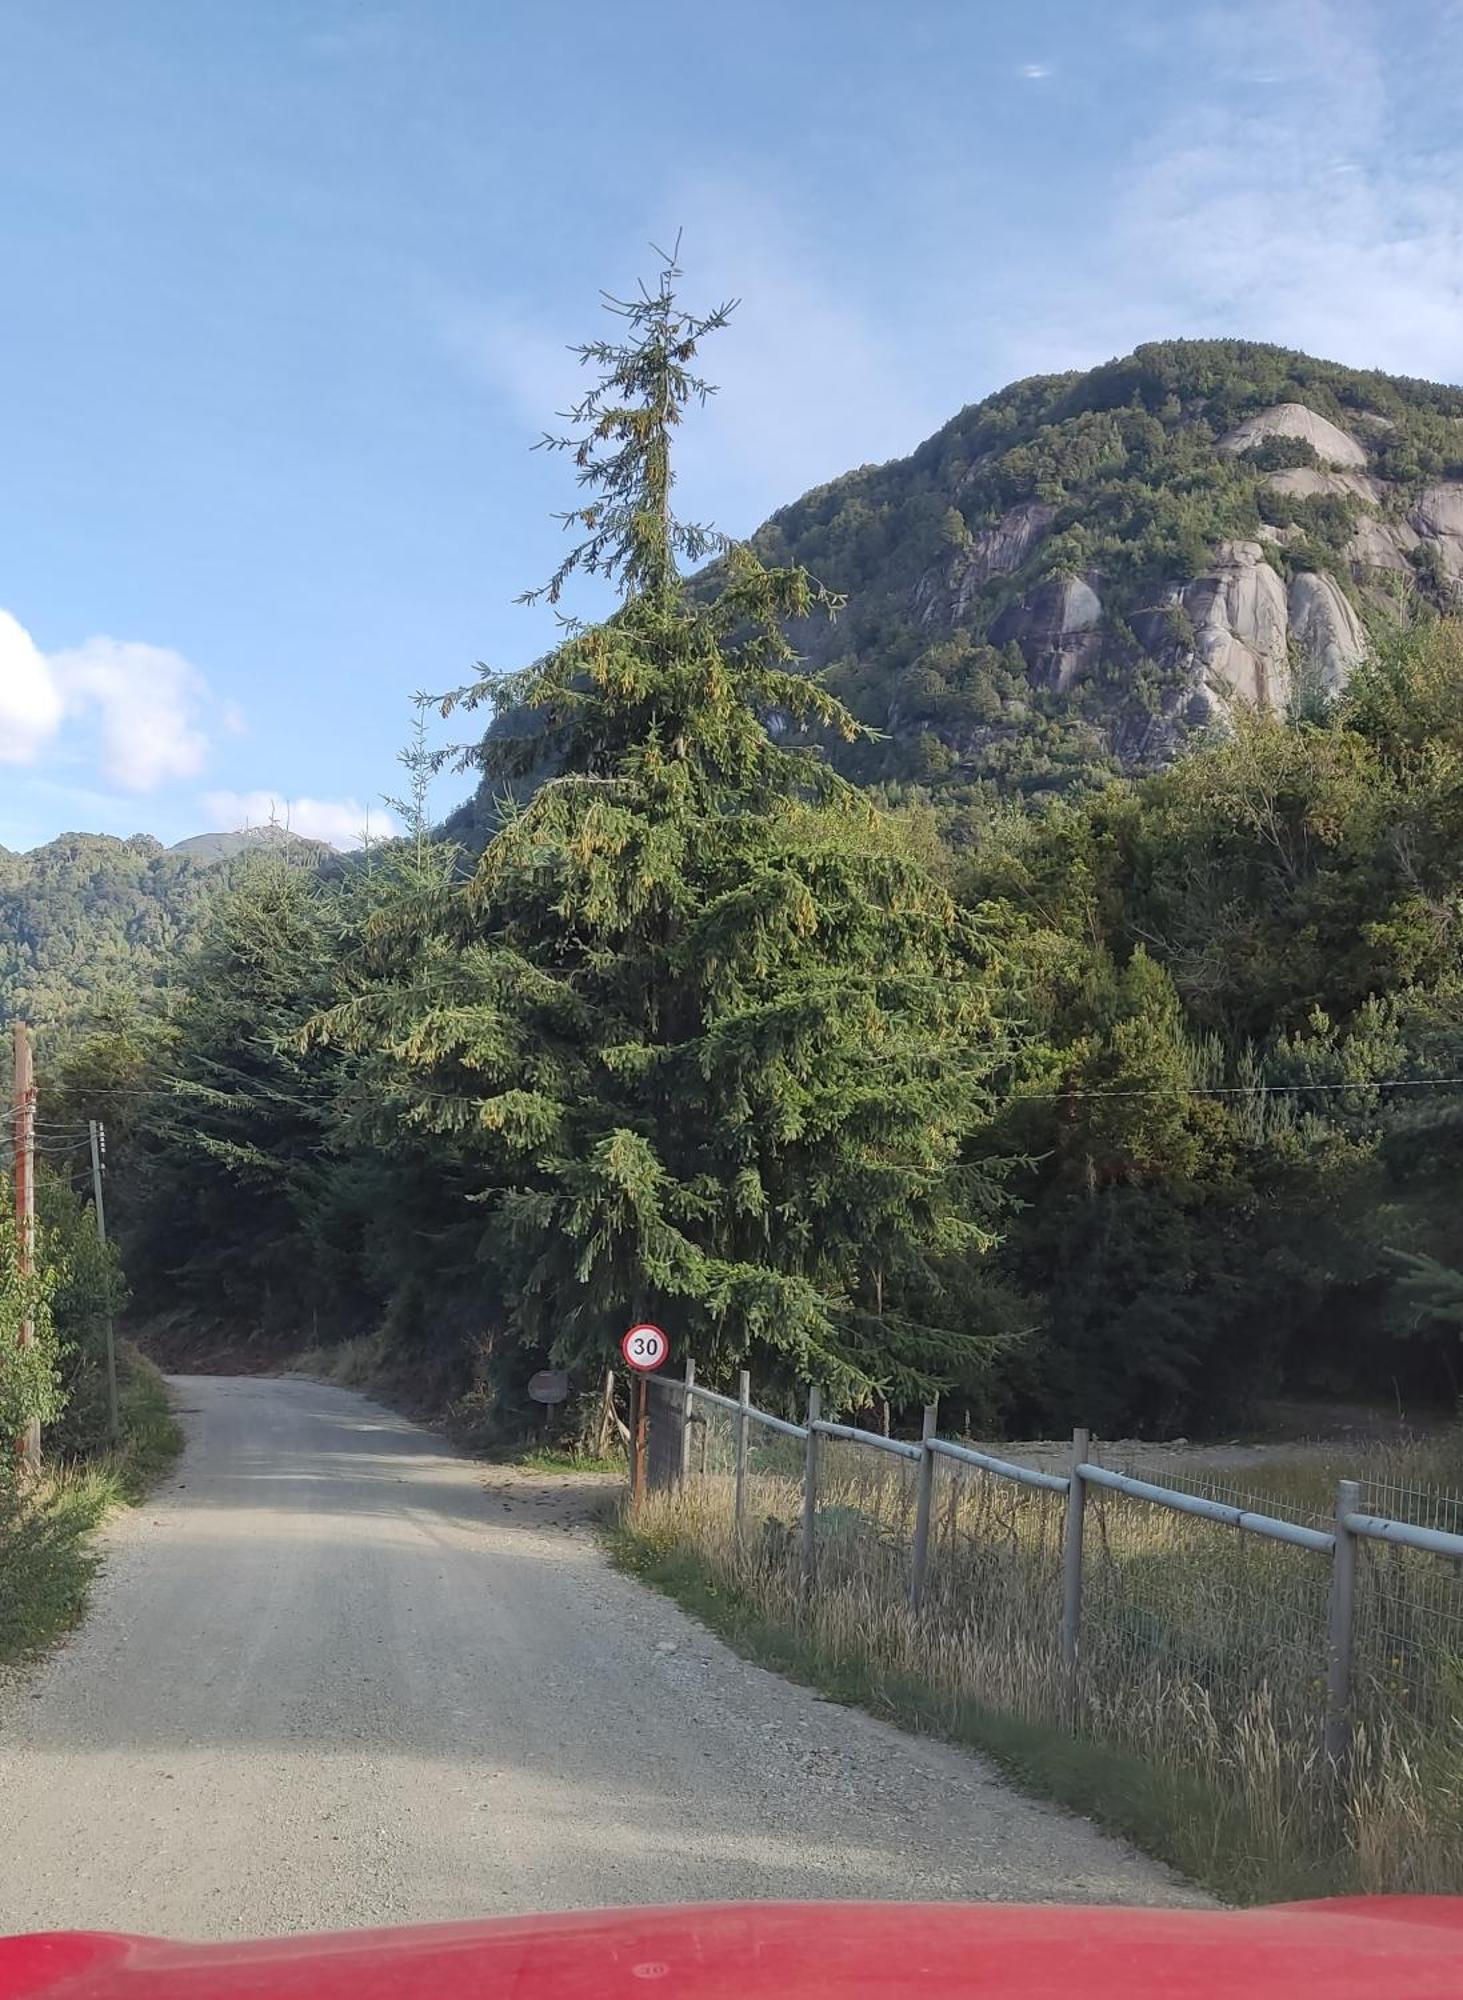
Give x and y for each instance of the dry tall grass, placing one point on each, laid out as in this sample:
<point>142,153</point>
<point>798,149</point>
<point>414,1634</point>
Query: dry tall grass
<point>1203,1651</point>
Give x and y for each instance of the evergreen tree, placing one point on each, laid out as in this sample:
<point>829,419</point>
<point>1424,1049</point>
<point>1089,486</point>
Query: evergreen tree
<point>233,1162</point>
<point>710,1036</point>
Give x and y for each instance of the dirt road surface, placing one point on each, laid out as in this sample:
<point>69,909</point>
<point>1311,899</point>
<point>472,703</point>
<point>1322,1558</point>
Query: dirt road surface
<point>335,1675</point>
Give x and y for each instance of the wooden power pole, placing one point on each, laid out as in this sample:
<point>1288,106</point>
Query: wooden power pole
<point>98,1163</point>
<point>25,1208</point>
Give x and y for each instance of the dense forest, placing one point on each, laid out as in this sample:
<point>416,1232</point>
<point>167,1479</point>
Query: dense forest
<point>89,922</point>
<point>1123,1096</point>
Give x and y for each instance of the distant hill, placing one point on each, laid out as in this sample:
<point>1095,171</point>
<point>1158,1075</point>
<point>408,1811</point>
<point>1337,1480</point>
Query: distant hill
<point>250,839</point>
<point>87,916</point>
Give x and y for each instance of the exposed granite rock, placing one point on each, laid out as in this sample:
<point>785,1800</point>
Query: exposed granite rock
<point>1331,445</point>
<point>1057,629</point>
<point>994,551</point>
<point>1438,519</point>
<point>1239,615</point>
<point>1303,481</point>
<point>1326,630</point>
<point>1381,545</point>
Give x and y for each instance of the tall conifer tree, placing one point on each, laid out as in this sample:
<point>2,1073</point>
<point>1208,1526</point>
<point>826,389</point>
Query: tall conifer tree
<point>711,1035</point>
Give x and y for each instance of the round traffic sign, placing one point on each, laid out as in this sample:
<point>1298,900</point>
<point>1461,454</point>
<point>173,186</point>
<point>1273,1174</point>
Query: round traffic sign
<point>644,1349</point>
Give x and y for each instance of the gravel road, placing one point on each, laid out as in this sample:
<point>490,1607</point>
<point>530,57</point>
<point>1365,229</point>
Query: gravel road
<point>336,1675</point>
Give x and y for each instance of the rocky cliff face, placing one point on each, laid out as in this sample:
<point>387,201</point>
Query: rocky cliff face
<point>1243,631</point>
<point>1132,552</point>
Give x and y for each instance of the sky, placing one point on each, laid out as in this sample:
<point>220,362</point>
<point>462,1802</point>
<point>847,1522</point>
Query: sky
<point>287,289</point>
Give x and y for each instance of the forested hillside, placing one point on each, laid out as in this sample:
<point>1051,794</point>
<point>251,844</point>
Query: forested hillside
<point>1073,1092</point>
<point>1084,569</point>
<point>1131,1105</point>
<point>89,922</point>
<point>1081,573</point>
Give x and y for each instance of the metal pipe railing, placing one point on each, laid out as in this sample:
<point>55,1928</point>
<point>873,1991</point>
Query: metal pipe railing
<point>778,1424</point>
<point>1436,1541</point>
<point>1003,1468</point>
<point>901,1447</point>
<point>1338,1544</point>
<point>1211,1510</point>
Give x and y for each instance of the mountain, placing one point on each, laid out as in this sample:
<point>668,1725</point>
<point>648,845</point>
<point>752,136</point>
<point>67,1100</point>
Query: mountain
<point>1079,572</point>
<point>1071,578</point>
<point>208,847</point>
<point>87,916</point>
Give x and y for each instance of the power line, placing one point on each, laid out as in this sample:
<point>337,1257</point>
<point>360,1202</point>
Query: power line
<point>1258,1089</point>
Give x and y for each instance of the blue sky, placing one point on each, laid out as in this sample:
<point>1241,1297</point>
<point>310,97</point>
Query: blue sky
<point>288,283</point>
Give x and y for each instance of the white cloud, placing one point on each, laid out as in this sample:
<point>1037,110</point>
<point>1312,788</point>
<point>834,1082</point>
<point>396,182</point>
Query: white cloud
<point>143,705</point>
<point>1304,216</point>
<point>1035,72</point>
<point>30,701</point>
<point>146,702</point>
<point>343,822</point>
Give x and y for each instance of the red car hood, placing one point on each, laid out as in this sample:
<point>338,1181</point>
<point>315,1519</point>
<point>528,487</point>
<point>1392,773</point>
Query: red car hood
<point>1392,1948</point>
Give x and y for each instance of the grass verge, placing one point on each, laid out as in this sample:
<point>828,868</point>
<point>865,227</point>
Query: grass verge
<point>1116,1789</point>
<point>47,1553</point>
<point>559,1458</point>
<point>1198,1755</point>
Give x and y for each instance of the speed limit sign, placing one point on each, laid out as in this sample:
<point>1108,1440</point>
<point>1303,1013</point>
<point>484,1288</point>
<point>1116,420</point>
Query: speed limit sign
<point>644,1349</point>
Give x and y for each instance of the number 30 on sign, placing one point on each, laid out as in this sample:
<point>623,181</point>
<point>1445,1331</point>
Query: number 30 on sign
<point>644,1349</point>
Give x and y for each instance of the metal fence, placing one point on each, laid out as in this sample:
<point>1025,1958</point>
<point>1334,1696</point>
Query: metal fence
<point>1110,1582</point>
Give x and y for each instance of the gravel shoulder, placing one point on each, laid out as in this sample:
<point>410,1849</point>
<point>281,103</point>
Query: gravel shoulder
<point>335,1674</point>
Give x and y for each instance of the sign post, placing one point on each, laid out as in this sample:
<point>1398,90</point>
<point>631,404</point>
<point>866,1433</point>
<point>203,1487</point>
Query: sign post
<point>549,1387</point>
<point>645,1348</point>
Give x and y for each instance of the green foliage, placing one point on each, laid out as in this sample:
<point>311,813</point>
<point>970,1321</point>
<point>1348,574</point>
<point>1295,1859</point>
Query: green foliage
<point>48,1556</point>
<point>701,1036</point>
<point>1241,980</point>
<point>88,1291</point>
<point>90,925</point>
<point>1431,1291</point>
<point>29,1386</point>
<point>230,1147</point>
<point>823,986</point>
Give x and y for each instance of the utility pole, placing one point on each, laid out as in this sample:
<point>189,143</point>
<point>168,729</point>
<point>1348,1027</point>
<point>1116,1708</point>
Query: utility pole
<point>98,1164</point>
<point>25,1209</point>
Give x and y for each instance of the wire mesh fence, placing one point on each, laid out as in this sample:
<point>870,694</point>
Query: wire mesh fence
<point>1408,1632</point>
<point>1204,1645</point>
<point>1172,1602</point>
<point>993,1587</point>
<point>864,1519</point>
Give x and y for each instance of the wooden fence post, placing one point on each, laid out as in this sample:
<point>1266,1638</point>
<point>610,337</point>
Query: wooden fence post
<point>744,1401</point>
<point>1340,1628</point>
<point>810,1491</point>
<point>1071,1635</point>
<point>920,1552</point>
<point>686,1407</point>
<point>639,1437</point>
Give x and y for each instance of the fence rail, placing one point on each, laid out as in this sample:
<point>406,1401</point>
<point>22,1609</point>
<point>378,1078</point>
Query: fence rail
<point>850,1435</point>
<point>898,1509</point>
<point>1003,1468</point>
<point>1269,1525</point>
<point>1407,1534</point>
